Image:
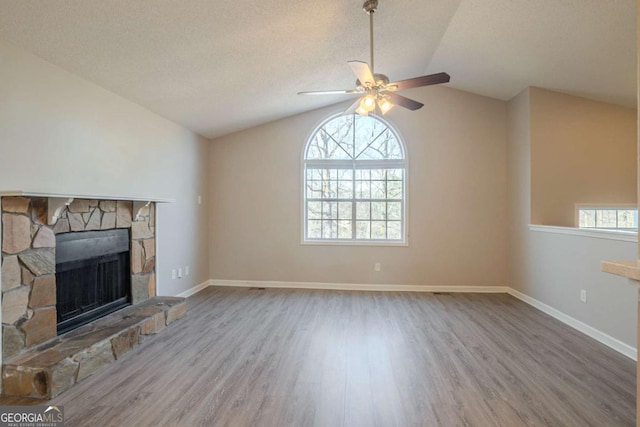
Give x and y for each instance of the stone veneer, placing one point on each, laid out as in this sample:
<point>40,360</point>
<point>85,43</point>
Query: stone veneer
<point>48,370</point>
<point>28,261</point>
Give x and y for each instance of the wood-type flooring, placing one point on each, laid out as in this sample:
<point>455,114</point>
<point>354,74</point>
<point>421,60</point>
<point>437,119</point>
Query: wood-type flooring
<point>276,357</point>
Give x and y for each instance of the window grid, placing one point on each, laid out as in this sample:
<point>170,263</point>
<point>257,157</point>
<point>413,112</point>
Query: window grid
<point>339,190</point>
<point>624,218</point>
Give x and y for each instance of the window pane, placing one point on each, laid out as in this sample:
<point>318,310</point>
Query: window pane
<point>377,190</point>
<point>587,218</point>
<point>388,146</point>
<point>314,210</point>
<point>385,146</point>
<point>362,230</point>
<point>394,174</point>
<point>345,174</point>
<point>324,147</point>
<point>329,210</point>
<point>328,148</point>
<point>627,218</point>
<point>345,210</point>
<point>378,210</point>
<point>329,229</point>
<point>394,189</point>
<point>394,230</point>
<point>378,230</point>
<point>344,229</point>
<point>345,189</point>
<point>394,211</point>
<point>341,130</point>
<point>606,218</point>
<point>366,131</point>
<point>314,229</point>
<point>363,210</point>
<point>314,174</point>
<point>363,190</point>
<point>329,189</point>
<point>378,174</point>
<point>364,174</point>
<point>314,189</point>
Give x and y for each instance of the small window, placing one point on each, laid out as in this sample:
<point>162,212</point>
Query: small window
<point>354,182</point>
<point>608,217</point>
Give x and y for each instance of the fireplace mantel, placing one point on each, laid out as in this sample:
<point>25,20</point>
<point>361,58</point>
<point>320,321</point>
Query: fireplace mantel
<point>58,202</point>
<point>24,193</point>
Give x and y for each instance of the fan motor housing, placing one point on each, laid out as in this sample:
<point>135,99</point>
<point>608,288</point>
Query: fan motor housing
<point>380,80</point>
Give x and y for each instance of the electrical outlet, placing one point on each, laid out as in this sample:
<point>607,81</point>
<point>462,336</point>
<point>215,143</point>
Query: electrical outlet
<point>376,266</point>
<point>174,274</point>
<point>186,270</point>
<point>199,200</point>
<point>583,296</point>
<point>180,273</point>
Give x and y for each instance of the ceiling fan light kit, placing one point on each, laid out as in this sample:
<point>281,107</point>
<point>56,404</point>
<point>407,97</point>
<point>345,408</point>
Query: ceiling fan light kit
<point>377,94</point>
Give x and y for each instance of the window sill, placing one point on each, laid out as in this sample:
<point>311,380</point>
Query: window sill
<point>351,243</point>
<point>623,235</point>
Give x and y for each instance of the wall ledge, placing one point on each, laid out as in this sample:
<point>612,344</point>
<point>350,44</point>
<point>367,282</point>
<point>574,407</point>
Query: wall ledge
<point>628,269</point>
<point>622,235</point>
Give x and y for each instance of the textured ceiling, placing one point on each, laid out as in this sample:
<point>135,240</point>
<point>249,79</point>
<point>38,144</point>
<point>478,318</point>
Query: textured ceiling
<point>218,67</point>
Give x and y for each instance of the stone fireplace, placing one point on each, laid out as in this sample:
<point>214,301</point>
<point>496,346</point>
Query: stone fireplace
<point>30,235</point>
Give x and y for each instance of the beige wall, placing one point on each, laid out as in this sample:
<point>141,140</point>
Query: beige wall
<point>62,134</point>
<point>582,151</point>
<point>552,268</point>
<point>457,200</point>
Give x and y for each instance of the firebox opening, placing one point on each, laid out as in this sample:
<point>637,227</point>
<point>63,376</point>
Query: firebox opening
<point>93,276</point>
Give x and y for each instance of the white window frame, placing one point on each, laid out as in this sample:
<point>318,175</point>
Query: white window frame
<point>356,164</point>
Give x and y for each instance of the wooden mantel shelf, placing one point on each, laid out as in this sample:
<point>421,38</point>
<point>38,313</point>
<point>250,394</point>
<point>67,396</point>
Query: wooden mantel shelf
<point>628,269</point>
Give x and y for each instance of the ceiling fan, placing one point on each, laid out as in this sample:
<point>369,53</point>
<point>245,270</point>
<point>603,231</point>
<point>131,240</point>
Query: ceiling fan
<point>377,93</point>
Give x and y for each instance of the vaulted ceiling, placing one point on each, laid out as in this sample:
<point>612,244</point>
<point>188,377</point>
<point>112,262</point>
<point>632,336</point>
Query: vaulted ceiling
<point>220,66</point>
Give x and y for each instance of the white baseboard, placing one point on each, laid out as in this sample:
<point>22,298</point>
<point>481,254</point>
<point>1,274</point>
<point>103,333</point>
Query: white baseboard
<point>357,286</point>
<point>590,331</point>
<point>195,289</point>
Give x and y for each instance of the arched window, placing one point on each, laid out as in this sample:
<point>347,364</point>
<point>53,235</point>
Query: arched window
<point>354,182</point>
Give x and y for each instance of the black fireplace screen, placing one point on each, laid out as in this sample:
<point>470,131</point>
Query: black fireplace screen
<point>93,277</point>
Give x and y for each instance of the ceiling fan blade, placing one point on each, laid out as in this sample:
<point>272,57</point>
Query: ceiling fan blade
<point>329,92</point>
<point>431,79</point>
<point>352,108</point>
<point>403,101</point>
<point>362,70</point>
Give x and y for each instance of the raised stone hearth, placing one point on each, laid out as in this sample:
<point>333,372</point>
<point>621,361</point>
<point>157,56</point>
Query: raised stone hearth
<point>28,276</point>
<point>48,370</point>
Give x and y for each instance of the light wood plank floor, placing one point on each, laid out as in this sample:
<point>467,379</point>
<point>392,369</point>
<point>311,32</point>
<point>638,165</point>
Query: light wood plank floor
<point>245,357</point>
